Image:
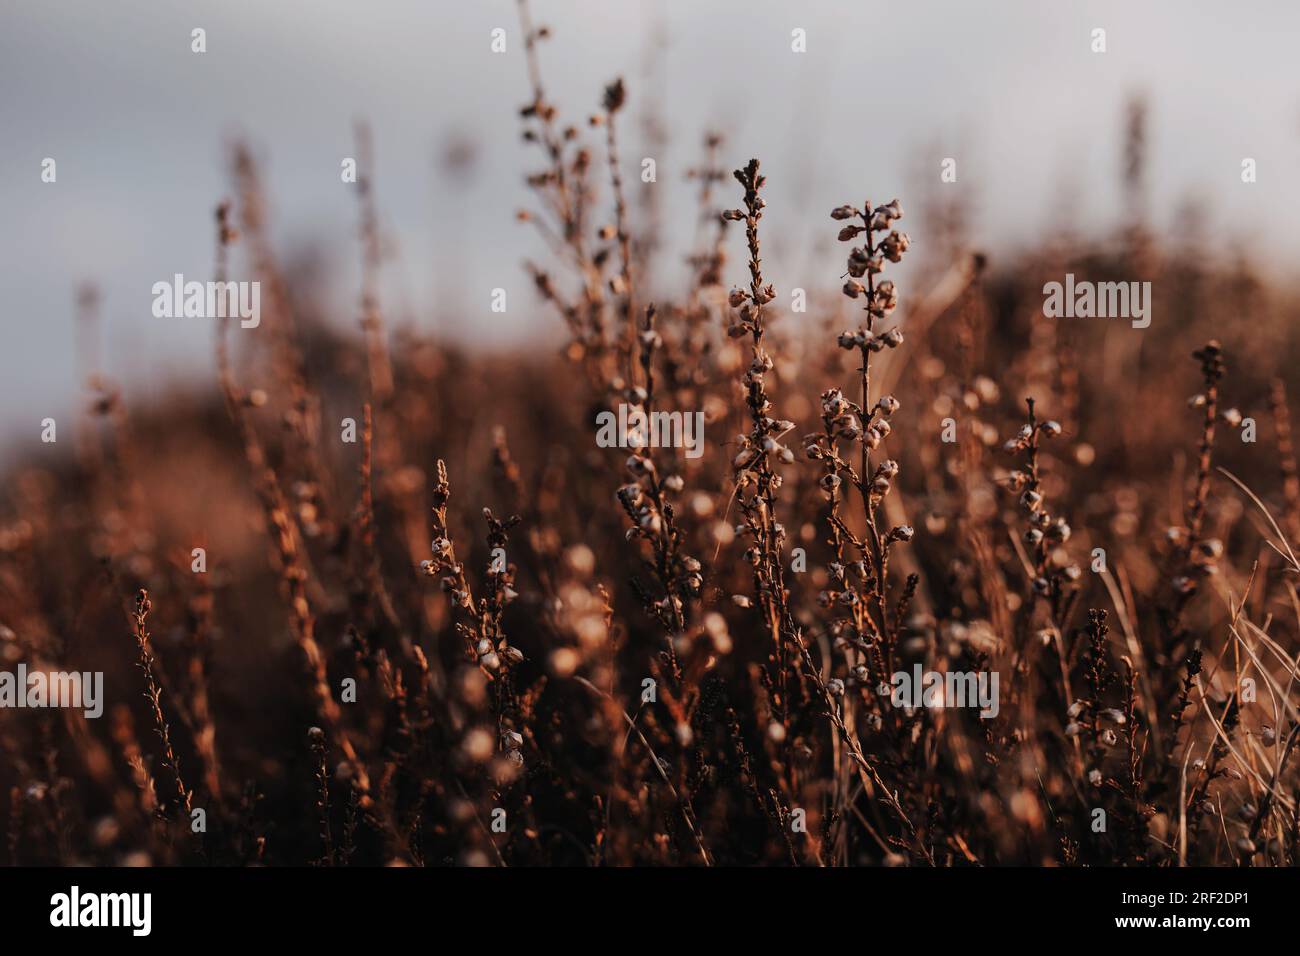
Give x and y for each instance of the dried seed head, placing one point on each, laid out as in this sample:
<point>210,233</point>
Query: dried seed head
<point>894,245</point>
<point>1210,548</point>
<point>615,96</point>
<point>1058,531</point>
<point>833,402</point>
<point>857,265</point>
<point>639,465</point>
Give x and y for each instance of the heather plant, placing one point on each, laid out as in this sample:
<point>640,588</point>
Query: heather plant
<point>635,656</point>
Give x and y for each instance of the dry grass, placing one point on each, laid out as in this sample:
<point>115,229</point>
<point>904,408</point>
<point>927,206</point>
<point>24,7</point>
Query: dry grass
<point>501,592</point>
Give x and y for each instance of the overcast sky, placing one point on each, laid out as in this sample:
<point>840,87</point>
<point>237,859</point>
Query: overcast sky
<point>137,124</point>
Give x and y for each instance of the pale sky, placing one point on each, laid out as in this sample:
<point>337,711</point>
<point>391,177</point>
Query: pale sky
<point>137,123</point>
